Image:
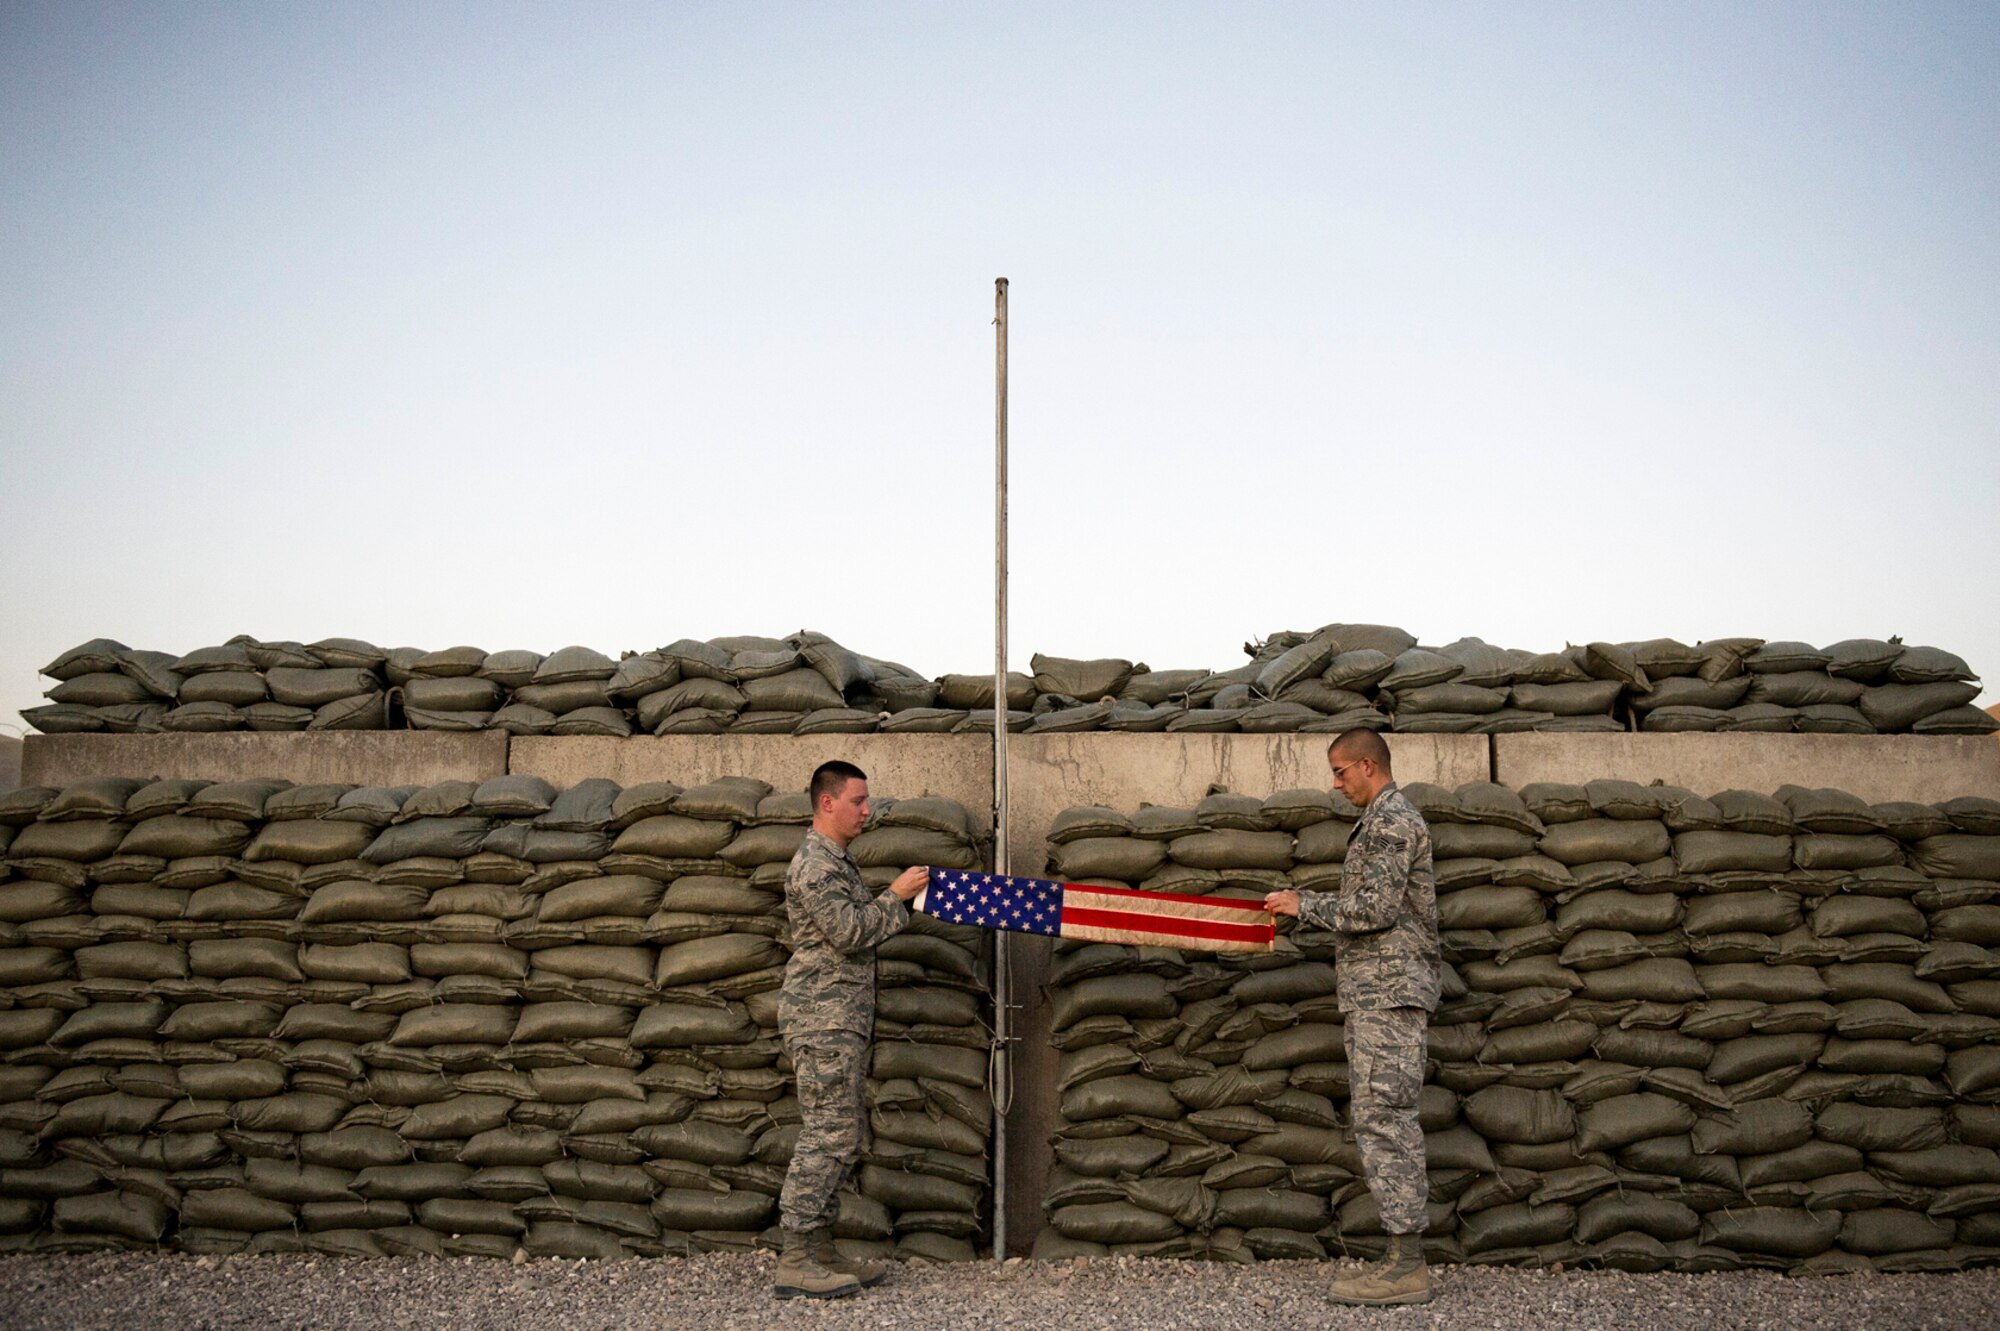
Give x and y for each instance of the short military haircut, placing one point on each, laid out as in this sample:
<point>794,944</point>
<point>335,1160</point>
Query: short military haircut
<point>831,778</point>
<point>1359,744</point>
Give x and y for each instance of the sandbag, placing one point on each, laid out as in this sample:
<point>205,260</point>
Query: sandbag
<point>1590,840</point>
<point>1127,859</point>
<point>715,958</point>
<point>1624,1119</point>
<point>1780,1231</point>
<point>1952,855</point>
<point>1517,1114</point>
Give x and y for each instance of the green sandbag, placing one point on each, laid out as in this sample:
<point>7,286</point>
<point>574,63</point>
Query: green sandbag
<point>1125,858</point>
<point>128,1215</point>
<point>1129,996</point>
<point>1517,1114</point>
<point>452,838</point>
<point>1112,1222</point>
<point>1761,983</point>
<point>233,1209</point>
<point>900,847</point>
<point>684,1025</point>
<point>1759,1127</point>
<point>571,1241</point>
<point>1938,1166</point>
<point>715,958</point>
<point>1953,855</point>
<point>80,841</point>
<point>174,837</point>
<point>1233,850</point>
<point>1308,1042</point>
<point>1966,720</point>
<point>1594,839</point>
<point>699,1209</point>
<point>1622,1120</point>
<point>1894,707</point>
<point>673,836</point>
<point>1780,1231</point>
<point>1111,1097</point>
<point>608,973</point>
<point>798,690</point>
<point>1088,680</point>
<point>1635,1212</point>
<point>1871,1128</point>
<point>1517,1225</point>
<point>611,894</point>
<point>295,1112</point>
<point>1109,1156</point>
<point>454,1023</point>
<point>1883,1231</point>
<point>918,1128</point>
<point>1270,1208</point>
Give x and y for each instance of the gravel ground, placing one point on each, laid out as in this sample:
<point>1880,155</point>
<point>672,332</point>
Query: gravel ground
<point>141,1291</point>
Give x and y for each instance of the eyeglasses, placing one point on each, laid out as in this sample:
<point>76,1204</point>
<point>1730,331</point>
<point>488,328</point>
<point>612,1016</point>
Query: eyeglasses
<point>1341,769</point>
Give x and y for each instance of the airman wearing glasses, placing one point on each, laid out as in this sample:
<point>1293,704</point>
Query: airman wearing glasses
<point>1384,922</point>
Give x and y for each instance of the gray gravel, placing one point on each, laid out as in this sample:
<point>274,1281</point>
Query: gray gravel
<point>136,1292</point>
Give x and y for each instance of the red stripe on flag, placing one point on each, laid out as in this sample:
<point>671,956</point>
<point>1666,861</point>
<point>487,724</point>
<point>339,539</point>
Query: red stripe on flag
<point>1178,926</point>
<point>1220,903</point>
<point>1083,898</point>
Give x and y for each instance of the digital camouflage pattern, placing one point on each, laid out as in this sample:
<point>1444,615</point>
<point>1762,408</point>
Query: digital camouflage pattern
<point>832,1072</point>
<point>826,1015</point>
<point>1385,1064</point>
<point>1384,917</point>
<point>1386,963</point>
<point>836,922</point>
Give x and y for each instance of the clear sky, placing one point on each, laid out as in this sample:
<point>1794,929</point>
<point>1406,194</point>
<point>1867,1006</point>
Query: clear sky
<point>524,325</point>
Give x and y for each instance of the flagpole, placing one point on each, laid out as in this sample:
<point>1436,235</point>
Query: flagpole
<point>1002,1067</point>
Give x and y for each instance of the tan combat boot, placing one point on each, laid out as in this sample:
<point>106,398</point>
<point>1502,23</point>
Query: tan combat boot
<point>1401,1278</point>
<point>800,1274</point>
<point>827,1255</point>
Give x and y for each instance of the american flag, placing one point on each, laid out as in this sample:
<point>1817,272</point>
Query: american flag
<point>1096,914</point>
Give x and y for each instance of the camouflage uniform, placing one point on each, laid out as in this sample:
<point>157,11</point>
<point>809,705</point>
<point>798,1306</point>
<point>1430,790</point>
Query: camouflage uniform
<point>1384,921</point>
<point>826,1015</point>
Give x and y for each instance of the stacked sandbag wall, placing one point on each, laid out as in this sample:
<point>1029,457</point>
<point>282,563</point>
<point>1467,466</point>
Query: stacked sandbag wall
<point>244,684</point>
<point>1677,1033</point>
<point>1338,677</point>
<point>455,1020</point>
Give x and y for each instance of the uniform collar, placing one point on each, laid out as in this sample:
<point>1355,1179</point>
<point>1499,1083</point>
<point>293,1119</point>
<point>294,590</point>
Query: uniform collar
<point>839,851</point>
<point>1375,805</point>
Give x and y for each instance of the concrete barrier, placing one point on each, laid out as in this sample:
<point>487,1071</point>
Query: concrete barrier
<point>957,767</point>
<point>10,763</point>
<point>358,757</point>
<point>1049,773</point>
<point>1924,768</point>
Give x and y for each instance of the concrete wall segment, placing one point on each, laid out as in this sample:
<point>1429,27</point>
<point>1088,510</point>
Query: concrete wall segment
<point>359,757</point>
<point>956,767</point>
<point>1049,773</point>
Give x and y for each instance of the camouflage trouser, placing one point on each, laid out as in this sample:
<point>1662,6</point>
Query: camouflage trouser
<point>1385,1067</point>
<point>832,1072</point>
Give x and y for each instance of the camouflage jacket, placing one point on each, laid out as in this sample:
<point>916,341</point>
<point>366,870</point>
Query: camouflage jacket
<point>836,923</point>
<point>1384,917</point>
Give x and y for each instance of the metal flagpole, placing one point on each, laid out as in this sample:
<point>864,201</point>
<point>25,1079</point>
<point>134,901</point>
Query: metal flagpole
<point>1002,1063</point>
